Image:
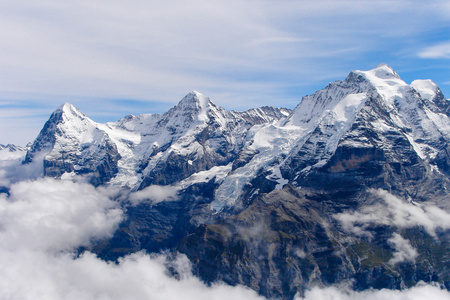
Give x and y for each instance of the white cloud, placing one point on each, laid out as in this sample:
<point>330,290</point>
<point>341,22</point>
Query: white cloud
<point>43,220</point>
<point>55,215</point>
<point>441,50</point>
<point>396,213</point>
<point>12,171</point>
<point>403,249</point>
<point>35,275</point>
<point>154,194</point>
<point>300,253</point>
<point>393,211</point>
<point>419,292</point>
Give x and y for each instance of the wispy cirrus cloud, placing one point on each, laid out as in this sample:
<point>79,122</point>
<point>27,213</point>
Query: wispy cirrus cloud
<point>441,50</point>
<point>242,54</point>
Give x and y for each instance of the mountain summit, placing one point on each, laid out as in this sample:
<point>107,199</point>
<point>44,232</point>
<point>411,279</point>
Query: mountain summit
<point>70,142</point>
<point>352,185</point>
<point>137,151</point>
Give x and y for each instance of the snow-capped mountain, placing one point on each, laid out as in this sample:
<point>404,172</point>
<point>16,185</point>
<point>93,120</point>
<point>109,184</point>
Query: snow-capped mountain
<point>71,142</point>
<point>365,115</point>
<point>274,199</point>
<point>137,151</point>
<point>337,191</point>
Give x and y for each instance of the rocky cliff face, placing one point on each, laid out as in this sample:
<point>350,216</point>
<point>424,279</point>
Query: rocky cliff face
<point>350,185</point>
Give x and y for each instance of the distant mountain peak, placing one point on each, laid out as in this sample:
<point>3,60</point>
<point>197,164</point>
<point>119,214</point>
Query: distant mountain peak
<point>380,74</point>
<point>69,111</point>
<point>195,97</point>
<point>193,107</point>
<point>12,152</point>
<point>66,107</point>
<point>383,71</point>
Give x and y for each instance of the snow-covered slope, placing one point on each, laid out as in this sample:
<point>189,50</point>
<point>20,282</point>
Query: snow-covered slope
<point>261,115</point>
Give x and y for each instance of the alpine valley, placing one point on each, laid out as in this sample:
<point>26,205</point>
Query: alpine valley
<point>353,185</point>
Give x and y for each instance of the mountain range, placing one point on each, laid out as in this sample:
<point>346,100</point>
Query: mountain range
<point>350,186</point>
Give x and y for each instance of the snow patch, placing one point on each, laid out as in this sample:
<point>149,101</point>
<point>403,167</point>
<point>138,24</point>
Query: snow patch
<point>276,176</point>
<point>346,108</point>
<point>426,88</point>
<point>218,173</point>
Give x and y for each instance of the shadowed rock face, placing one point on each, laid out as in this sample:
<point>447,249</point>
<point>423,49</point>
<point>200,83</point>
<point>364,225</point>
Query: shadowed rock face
<point>352,185</point>
<point>286,242</point>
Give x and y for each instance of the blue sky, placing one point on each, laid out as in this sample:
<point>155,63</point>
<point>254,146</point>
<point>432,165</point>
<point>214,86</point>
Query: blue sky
<point>113,58</point>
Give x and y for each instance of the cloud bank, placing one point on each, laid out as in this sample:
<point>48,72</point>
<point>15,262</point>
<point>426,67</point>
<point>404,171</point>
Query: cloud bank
<point>43,221</point>
<point>55,215</point>
<point>420,292</point>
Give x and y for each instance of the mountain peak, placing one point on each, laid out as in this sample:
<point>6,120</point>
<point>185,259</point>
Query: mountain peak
<point>384,71</point>
<point>194,103</point>
<point>380,73</point>
<point>65,106</point>
<point>196,93</point>
<point>68,109</point>
<point>65,121</point>
<point>384,66</point>
<point>195,98</point>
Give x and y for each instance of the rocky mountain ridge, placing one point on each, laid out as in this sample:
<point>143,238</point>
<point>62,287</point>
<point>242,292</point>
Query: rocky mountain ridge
<point>193,136</point>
